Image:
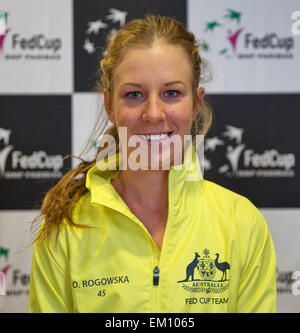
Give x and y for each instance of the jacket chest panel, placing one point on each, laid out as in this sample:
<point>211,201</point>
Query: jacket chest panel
<point>197,269</point>
<point>108,285</point>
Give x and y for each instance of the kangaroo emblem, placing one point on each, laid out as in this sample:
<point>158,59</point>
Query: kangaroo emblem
<point>190,268</point>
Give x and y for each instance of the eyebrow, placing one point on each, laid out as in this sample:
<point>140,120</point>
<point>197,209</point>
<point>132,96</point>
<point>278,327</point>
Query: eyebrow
<point>139,85</point>
<point>174,82</point>
<point>135,84</point>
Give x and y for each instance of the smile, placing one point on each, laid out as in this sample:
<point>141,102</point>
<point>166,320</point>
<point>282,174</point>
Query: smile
<point>154,137</point>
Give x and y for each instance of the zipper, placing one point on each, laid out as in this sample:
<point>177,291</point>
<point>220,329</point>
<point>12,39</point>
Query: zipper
<point>155,288</point>
<point>155,276</point>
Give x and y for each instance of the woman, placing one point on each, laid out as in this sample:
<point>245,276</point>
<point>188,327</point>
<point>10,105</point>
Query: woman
<point>148,240</point>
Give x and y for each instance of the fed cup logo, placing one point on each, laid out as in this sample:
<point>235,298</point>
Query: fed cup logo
<point>14,164</point>
<point>4,135</point>
<point>4,252</point>
<point>241,161</point>
<point>3,28</point>
<point>241,43</point>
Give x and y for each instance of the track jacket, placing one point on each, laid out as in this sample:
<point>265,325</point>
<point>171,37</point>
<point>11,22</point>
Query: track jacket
<point>217,255</point>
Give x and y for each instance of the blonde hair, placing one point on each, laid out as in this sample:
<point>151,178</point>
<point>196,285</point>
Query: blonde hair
<point>144,33</point>
<point>62,198</point>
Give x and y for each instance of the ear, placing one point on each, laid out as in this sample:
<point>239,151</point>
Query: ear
<point>199,103</point>
<point>108,110</point>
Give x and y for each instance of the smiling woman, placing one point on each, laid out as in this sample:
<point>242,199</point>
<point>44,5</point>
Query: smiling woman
<point>153,98</point>
<point>150,226</point>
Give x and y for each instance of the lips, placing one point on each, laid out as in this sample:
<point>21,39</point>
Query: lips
<point>155,137</point>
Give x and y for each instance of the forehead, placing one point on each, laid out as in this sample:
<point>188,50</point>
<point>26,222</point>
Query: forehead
<point>161,62</point>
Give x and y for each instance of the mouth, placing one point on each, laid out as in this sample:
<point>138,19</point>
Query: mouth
<point>155,137</point>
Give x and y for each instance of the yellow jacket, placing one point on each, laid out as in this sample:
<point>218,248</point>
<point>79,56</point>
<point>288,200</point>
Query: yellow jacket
<point>217,255</point>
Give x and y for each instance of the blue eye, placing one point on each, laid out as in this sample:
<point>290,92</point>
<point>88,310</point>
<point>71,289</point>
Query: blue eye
<point>133,94</point>
<point>172,93</point>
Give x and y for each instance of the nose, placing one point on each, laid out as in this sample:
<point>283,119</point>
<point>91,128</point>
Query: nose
<point>154,109</point>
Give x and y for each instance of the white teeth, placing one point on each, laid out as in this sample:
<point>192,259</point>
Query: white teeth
<point>154,137</point>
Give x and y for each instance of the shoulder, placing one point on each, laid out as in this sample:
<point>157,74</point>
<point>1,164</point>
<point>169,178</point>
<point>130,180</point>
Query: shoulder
<point>227,199</point>
<point>59,234</point>
<point>85,212</point>
<point>239,209</point>
<point>243,217</point>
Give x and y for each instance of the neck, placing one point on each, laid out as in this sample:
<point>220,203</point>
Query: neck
<point>144,188</point>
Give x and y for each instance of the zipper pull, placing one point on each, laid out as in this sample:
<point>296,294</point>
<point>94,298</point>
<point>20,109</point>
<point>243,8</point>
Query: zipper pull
<point>155,276</point>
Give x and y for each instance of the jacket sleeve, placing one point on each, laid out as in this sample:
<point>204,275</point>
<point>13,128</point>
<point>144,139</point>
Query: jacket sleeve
<point>257,289</point>
<point>50,289</point>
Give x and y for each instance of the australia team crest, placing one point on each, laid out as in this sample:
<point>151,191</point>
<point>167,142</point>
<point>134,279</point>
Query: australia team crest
<point>206,274</point>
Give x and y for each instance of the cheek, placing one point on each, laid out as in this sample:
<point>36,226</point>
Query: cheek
<point>183,117</point>
<point>125,117</point>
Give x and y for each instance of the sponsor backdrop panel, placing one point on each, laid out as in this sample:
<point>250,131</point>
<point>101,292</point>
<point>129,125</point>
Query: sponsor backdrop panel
<point>252,147</point>
<point>285,229</point>
<point>249,44</point>
<point>87,112</point>
<point>15,260</point>
<point>36,51</point>
<point>95,20</point>
<point>252,151</point>
<point>35,135</point>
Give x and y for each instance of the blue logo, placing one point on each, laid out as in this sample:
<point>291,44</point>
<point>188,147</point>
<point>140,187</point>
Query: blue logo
<point>207,274</point>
